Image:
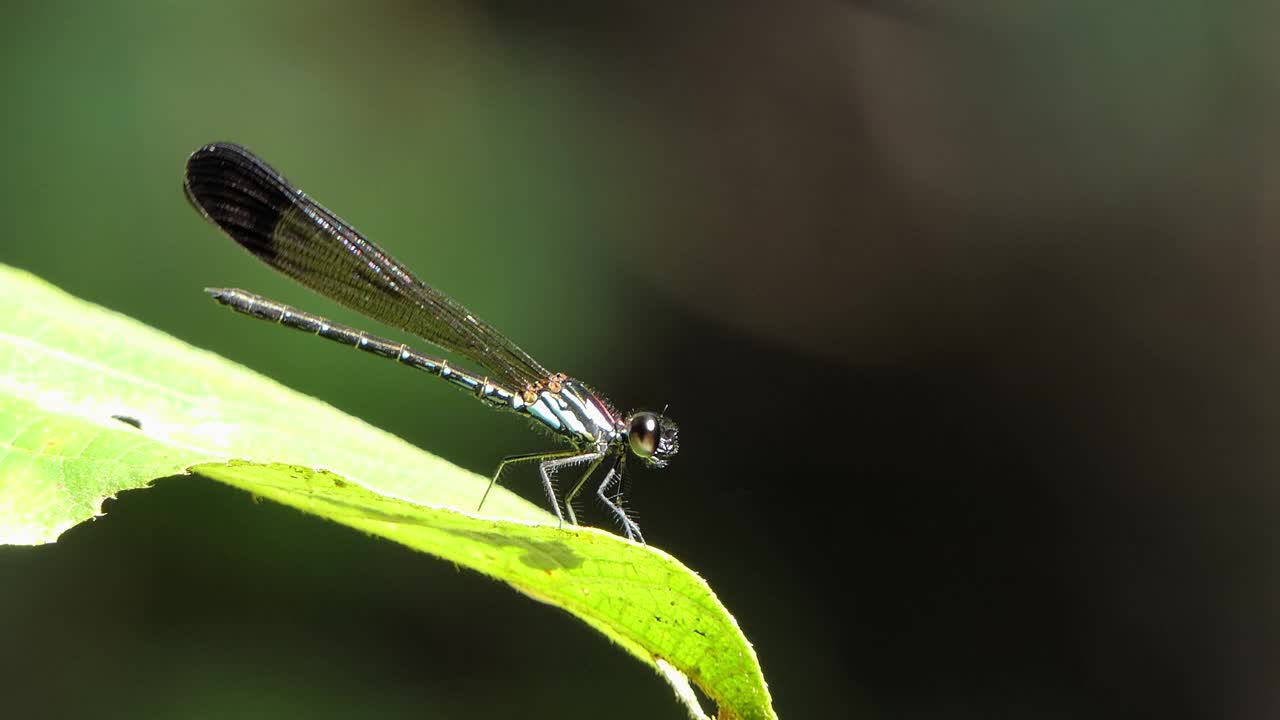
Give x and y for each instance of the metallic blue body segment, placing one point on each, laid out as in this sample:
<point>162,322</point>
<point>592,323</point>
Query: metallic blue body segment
<point>576,413</point>
<point>541,410</point>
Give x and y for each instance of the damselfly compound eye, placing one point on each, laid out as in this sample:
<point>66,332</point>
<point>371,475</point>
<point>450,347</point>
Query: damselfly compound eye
<point>644,434</point>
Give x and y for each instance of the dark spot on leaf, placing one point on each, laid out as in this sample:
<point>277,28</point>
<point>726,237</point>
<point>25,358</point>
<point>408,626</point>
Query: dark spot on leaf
<point>547,556</point>
<point>128,420</point>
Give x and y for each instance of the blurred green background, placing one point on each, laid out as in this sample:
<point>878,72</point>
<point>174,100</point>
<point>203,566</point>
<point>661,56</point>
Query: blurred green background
<point>968,315</point>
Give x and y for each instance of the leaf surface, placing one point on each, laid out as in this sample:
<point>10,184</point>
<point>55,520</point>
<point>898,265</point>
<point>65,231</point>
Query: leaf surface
<point>93,403</point>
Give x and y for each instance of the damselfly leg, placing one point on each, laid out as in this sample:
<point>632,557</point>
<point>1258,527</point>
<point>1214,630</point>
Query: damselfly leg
<point>614,476</point>
<point>528,457</point>
<point>568,499</point>
<point>548,468</point>
<point>549,463</point>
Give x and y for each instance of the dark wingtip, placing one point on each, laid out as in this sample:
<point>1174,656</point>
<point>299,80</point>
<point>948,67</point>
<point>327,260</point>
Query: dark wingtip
<point>208,163</point>
<point>238,192</point>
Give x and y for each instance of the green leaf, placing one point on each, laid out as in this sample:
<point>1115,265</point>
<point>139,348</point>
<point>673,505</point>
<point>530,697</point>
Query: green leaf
<point>93,403</point>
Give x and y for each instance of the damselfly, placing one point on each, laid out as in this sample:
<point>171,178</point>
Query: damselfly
<point>268,216</point>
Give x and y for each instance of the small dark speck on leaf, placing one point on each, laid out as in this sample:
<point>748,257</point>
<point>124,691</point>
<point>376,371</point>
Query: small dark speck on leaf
<point>128,420</point>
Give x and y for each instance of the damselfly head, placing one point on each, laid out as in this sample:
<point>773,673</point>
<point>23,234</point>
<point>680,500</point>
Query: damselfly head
<point>653,438</point>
